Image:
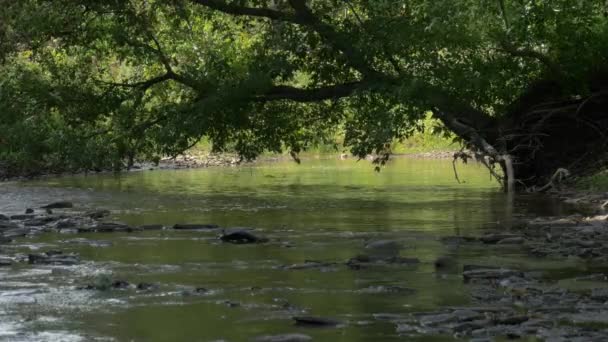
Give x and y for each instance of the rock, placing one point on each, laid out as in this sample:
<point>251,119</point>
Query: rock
<point>39,221</point>
<point>152,227</point>
<point>513,320</point>
<point>29,211</point>
<point>22,217</point>
<point>65,223</point>
<point>53,258</point>
<point>109,227</point>
<point>147,286</point>
<point>387,289</point>
<point>384,248</point>
<point>488,273</point>
<point>4,217</point>
<point>309,264</point>
<point>315,321</point>
<point>599,294</point>
<point>195,226</point>
<point>97,214</point>
<point>59,205</point>
<point>284,338</point>
<point>511,241</point>
<point>120,284</point>
<point>456,240</point>
<point>445,262</point>
<point>5,225</point>
<point>241,237</point>
<point>4,262</point>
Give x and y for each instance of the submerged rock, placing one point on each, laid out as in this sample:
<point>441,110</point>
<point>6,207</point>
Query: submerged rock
<point>147,286</point>
<point>5,262</point>
<point>109,227</point>
<point>3,217</point>
<point>241,237</point>
<point>97,214</point>
<point>195,226</point>
<point>316,321</point>
<point>22,217</point>
<point>29,211</point>
<point>59,205</point>
<point>495,238</point>
<point>284,338</point>
<point>53,258</point>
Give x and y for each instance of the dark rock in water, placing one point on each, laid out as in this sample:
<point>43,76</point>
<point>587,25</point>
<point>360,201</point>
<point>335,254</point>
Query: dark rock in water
<point>22,217</point>
<point>109,227</point>
<point>309,264</point>
<point>195,226</point>
<point>97,214</point>
<point>488,273</point>
<point>241,237</point>
<point>65,223</point>
<point>384,248</point>
<point>4,217</point>
<point>387,289</point>
<point>5,262</point>
<point>232,304</point>
<point>152,227</point>
<point>29,211</point>
<point>120,284</point>
<point>49,211</point>
<point>513,320</point>
<point>518,240</point>
<point>316,321</point>
<point>445,262</point>
<point>284,338</point>
<point>362,261</point>
<point>53,258</point>
<point>147,286</point>
<point>8,225</point>
<point>39,221</point>
<point>59,205</point>
<point>201,290</point>
<point>599,294</point>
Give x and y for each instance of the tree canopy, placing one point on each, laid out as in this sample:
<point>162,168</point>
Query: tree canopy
<point>90,84</point>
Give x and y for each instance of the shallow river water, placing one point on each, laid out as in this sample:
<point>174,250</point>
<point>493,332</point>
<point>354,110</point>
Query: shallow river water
<point>323,210</point>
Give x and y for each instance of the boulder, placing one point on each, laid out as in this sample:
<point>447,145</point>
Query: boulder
<point>241,237</point>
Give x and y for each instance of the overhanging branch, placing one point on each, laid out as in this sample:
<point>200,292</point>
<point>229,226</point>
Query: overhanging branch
<point>268,13</point>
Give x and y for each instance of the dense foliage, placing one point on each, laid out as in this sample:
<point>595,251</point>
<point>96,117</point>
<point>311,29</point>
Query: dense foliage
<point>97,84</point>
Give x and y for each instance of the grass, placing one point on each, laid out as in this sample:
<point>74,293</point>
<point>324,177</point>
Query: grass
<point>596,182</point>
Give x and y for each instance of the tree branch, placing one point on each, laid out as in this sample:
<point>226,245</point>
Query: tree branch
<point>268,13</point>
<point>532,54</point>
<point>309,95</point>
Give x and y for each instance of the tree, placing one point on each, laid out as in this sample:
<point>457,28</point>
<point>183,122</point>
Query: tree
<point>519,81</point>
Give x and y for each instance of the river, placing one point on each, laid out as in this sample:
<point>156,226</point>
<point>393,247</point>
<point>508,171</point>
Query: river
<point>321,210</point>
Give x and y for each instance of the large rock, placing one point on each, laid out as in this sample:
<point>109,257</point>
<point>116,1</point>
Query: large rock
<point>241,236</point>
<point>3,217</point>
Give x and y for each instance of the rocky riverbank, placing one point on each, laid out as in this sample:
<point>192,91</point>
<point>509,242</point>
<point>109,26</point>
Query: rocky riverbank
<point>508,302</point>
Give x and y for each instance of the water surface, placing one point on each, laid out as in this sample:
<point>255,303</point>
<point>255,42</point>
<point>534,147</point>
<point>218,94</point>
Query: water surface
<point>323,210</point>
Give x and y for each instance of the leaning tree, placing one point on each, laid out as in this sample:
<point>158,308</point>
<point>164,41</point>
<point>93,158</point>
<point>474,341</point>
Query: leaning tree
<point>522,83</point>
